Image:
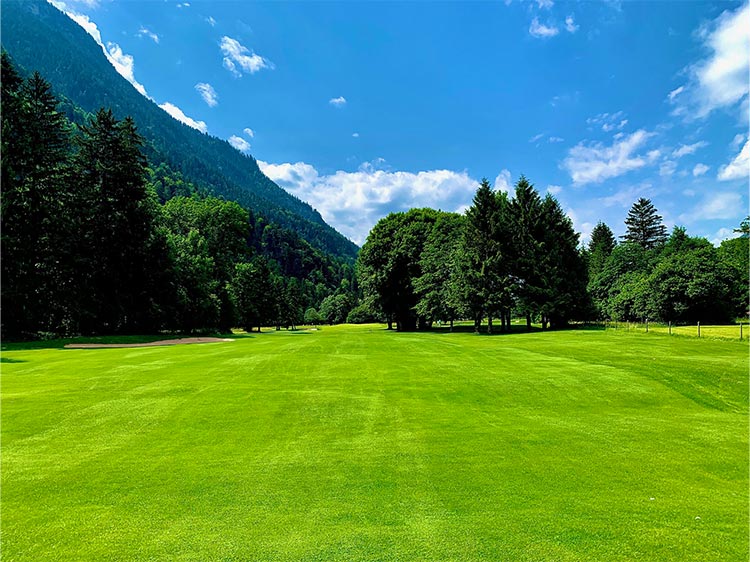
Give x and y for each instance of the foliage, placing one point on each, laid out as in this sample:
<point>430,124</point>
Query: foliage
<point>644,225</point>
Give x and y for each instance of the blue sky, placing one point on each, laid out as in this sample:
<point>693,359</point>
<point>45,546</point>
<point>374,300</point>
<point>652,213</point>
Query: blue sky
<point>371,107</point>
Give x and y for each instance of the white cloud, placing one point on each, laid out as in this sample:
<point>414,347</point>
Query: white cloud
<point>721,79</point>
<point>352,202</point>
<point>667,168</point>
<point>545,4</point>
<point>355,135</point>
<point>724,234</point>
<point>239,143</point>
<point>208,93</point>
<point>184,5</point>
<point>122,62</point>
<point>211,21</point>
<point>503,181</point>
<point>556,139</point>
<point>627,196</point>
<point>540,30</point>
<point>596,162</point>
<point>609,121</point>
<point>674,93</point>
<point>237,56</point>
<point>536,137</point>
<point>583,228</point>
<point>145,32</point>
<point>570,25</point>
<point>686,149</point>
<point>737,141</point>
<point>722,205</point>
<point>249,132</point>
<point>124,65</point>
<point>337,102</point>
<point>739,168</point>
<point>177,113</point>
<point>700,169</point>
<point>554,189</point>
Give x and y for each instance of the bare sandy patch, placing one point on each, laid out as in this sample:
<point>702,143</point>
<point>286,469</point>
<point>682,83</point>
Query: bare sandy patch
<point>177,341</point>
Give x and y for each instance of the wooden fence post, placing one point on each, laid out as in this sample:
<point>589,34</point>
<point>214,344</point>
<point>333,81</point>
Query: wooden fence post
<point>699,329</point>
<point>740,330</point>
<point>670,327</point>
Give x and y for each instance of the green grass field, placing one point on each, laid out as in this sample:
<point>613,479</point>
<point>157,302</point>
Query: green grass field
<point>354,443</point>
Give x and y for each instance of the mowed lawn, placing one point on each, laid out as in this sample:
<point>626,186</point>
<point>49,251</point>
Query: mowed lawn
<point>354,443</point>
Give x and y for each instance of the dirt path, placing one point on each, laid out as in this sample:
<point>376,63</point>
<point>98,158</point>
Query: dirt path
<point>178,341</point>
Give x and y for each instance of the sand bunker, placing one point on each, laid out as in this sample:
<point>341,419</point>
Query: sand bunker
<point>178,341</point>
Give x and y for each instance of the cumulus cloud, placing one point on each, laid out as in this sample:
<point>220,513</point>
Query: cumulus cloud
<point>238,58</point>
<point>178,114</point>
<point>721,79</point>
<point>540,30</point>
<point>239,143</point>
<point>594,163</point>
<point>686,149</point>
<point>739,167</point>
<point>737,141</point>
<point>249,132</point>
<point>503,182</point>
<point>700,169</point>
<point>570,25</point>
<point>122,62</point>
<point>338,102</point>
<point>353,202</point>
<point>145,32</point>
<point>208,93</point>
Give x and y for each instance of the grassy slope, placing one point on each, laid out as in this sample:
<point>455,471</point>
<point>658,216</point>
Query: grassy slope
<point>356,443</point>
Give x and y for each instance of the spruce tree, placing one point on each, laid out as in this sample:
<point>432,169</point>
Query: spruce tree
<point>644,225</point>
<point>600,247</point>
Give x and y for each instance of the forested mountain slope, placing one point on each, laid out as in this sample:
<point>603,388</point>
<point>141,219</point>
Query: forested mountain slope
<point>40,37</point>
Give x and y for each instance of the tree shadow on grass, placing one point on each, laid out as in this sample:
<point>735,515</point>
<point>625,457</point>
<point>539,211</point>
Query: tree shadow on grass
<point>10,360</point>
<point>60,343</point>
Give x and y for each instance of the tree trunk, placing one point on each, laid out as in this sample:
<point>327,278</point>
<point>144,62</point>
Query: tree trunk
<point>528,321</point>
<point>544,321</point>
<point>451,325</point>
<point>489,323</point>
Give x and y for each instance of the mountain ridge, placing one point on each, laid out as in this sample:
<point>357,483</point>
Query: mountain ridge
<point>40,37</point>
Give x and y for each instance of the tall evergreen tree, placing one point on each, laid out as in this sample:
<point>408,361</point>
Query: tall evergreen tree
<point>112,171</point>
<point>35,167</point>
<point>527,224</point>
<point>644,225</point>
<point>600,247</point>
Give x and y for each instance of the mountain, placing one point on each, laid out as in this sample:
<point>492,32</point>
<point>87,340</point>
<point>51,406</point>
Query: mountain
<point>41,38</point>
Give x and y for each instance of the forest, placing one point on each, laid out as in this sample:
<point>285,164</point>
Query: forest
<point>96,239</point>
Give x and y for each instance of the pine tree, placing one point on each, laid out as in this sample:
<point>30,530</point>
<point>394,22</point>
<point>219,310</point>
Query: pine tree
<point>644,225</point>
<point>35,167</point>
<point>600,247</point>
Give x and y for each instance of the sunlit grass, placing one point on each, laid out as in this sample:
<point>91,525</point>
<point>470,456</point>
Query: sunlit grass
<point>355,443</point>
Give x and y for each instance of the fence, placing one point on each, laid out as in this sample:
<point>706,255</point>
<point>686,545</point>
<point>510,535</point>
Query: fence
<point>734,331</point>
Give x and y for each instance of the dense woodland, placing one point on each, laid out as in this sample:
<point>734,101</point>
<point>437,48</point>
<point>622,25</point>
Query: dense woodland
<point>97,240</point>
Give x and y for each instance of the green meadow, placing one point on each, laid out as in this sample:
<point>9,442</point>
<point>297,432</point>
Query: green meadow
<point>355,443</point>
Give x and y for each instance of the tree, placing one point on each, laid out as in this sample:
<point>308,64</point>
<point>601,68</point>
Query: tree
<point>437,264</point>
<point>644,225</point>
<point>312,317</point>
<point>527,227</point>
<point>250,293</point>
<point>36,206</point>
<point>600,247</point>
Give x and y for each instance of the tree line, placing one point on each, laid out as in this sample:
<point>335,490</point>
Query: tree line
<point>95,241</point>
<point>520,256</point>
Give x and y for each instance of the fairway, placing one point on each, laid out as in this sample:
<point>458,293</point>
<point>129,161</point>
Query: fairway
<point>355,443</point>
